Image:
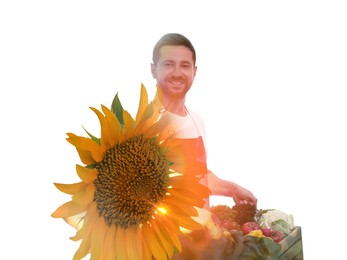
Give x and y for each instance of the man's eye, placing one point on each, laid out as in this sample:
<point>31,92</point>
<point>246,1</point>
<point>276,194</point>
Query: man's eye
<point>186,65</point>
<point>168,65</point>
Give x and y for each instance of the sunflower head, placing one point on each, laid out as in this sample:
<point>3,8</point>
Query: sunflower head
<point>139,169</point>
<point>135,191</point>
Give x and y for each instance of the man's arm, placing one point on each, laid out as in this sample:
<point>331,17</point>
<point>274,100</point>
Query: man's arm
<point>222,187</point>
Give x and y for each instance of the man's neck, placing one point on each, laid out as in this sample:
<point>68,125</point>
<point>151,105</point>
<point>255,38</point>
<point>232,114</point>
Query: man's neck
<point>175,106</point>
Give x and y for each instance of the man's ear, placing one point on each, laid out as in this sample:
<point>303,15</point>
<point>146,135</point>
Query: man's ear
<point>195,69</point>
<point>154,70</point>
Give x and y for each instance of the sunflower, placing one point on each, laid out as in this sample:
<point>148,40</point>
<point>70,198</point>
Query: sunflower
<point>137,190</point>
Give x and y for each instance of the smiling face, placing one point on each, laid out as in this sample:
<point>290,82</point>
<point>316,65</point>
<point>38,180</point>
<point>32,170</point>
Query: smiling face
<point>174,71</point>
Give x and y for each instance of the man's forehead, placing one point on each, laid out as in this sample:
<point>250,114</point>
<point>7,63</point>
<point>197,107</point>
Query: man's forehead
<point>176,53</point>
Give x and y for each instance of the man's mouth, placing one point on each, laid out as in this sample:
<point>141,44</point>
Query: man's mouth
<point>177,83</point>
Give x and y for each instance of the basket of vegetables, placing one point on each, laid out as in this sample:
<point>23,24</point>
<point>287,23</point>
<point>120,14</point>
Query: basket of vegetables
<point>242,232</point>
<point>258,234</point>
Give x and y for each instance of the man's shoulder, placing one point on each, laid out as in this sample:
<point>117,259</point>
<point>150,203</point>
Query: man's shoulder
<point>195,116</point>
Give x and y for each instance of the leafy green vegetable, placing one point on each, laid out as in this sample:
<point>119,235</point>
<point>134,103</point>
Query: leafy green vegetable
<point>282,226</point>
<point>272,218</point>
<point>258,248</point>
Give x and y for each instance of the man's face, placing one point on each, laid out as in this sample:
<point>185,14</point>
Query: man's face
<point>174,71</point>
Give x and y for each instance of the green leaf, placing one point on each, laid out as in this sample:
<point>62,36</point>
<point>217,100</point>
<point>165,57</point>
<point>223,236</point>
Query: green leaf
<point>117,109</point>
<point>91,166</point>
<point>259,248</point>
<point>281,225</point>
<point>94,138</point>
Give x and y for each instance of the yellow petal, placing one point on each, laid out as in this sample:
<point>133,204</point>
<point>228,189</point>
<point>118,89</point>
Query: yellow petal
<point>183,208</point>
<point>85,174</point>
<point>86,156</point>
<point>84,197</point>
<point>169,230</point>
<point>133,243</point>
<point>146,254</point>
<point>158,98</point>
<point>84,247</point>
<point>68,209</point>
<point>183,182</point>
<point>164,240</point>
<point>77,222</point>
<point>128,120</point>
<point>98,237</point>
<point>84,144</point>
<point>120,243</point>
<point>114,126</point>
<point>149,117</point>
<point>187,197</point>
<point>108,250</point>
<point>89,219</point>
<point>156,128</point>
<point>184,220</point>
<point>71,188</point>
<point>152,242</point>
<point>142,104</point>
<point>105,131</point>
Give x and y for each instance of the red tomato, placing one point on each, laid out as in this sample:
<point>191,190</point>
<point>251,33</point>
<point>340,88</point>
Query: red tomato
<point>235,226</point>
<point>231,225</point>
<point>249,226</point>
<point>277,235</point>
<point>267,232</point>
<point>225,224</point>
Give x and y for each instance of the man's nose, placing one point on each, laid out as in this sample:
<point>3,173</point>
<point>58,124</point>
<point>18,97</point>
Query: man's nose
<point>176,70</point>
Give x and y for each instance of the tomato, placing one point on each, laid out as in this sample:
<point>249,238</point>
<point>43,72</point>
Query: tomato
<point>249,226</point>
<point>267,232</point>
<point>235,226</point>
<point>231,225</point>
<point>276,235</point>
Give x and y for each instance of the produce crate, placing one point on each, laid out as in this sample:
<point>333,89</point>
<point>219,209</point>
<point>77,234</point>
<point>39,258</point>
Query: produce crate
<point>291,246</point>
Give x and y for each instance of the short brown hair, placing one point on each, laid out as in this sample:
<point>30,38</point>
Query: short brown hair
<point>173,39</point>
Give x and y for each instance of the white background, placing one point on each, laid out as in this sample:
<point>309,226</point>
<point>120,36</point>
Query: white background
<point>270,85</point>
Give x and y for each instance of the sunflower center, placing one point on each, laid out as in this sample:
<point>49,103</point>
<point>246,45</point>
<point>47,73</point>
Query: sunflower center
<point>133,177</point>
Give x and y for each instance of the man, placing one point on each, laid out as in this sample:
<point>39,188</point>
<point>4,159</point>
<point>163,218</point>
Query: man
<point>174,68</point>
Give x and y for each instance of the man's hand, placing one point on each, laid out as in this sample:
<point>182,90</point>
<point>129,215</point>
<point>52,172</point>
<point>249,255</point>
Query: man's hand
<point>243,196</point>
<point>222,187</point>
